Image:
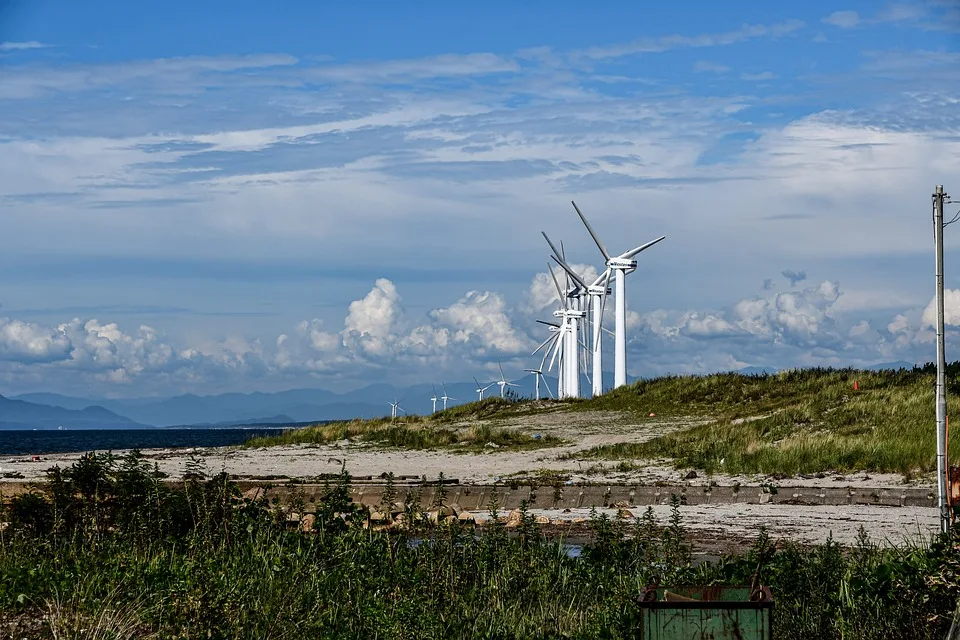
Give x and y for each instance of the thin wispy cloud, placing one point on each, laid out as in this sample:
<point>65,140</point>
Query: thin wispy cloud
<point>843,19</point>
<point>22,46</point>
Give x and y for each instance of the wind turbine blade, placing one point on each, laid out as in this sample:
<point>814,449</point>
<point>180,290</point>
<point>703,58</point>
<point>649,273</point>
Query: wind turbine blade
<point>547,386</point>
<point>556,349</point>
<point>603,306</point>
<point>501,369</point>
<point>489,385</point>
<point>566,277</point>
<point>546,352</point>
<point>549,324</point>
<point>556,283</point>
<point>549,242</point>
<point>571,272</point>
<point>478,382</point>
<point>591,231</point>
<point>633,252</point>
<point>510,384</point>
<point>542,345</point>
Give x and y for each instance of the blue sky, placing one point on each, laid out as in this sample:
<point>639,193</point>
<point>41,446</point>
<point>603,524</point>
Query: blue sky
<point>313,195</point>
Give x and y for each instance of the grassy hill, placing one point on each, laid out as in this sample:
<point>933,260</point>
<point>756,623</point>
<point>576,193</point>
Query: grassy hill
<point>798,421</point>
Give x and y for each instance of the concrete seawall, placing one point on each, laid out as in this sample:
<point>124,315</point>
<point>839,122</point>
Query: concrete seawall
<point>479,497</point>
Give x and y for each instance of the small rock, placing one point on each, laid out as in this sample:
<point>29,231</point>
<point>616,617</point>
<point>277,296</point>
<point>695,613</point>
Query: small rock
<point>307,523</point>
<point>578,520</point>
<point>690,475</point>
<point>542,520</point>
<point>623,504</point>
<point>558,521</point>
<point>652,414</point>
<point>566,511</point>
<point>492,445</point>
<point>467,518</point>
<point>625,513</point>
<point>515,518</point>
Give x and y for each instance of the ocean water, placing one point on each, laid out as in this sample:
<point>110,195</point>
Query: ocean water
<point>40,441</point>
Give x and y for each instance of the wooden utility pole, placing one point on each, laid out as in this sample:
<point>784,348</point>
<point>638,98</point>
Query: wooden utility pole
<point>942,501</point>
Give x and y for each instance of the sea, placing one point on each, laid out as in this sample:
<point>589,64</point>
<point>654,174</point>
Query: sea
<point>35,442</point>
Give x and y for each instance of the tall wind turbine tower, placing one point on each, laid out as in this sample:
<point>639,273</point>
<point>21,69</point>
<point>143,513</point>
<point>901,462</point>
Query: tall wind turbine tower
<point>620,265</point>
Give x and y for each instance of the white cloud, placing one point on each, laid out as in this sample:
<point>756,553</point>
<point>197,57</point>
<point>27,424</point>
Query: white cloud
<point>843,19</point>
<point>26,342</point>
<point>951,309</point>
<point>22,46</point>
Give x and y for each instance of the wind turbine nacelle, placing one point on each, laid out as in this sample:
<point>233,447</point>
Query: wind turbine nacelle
<point>621,263</point>
<point>575,313</point>
<point>600,291</point>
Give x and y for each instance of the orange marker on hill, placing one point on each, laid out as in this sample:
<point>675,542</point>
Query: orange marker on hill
<point>856,385</point>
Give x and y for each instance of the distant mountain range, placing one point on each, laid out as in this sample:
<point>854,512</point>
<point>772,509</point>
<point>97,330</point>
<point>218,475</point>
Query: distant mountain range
<point>51,410</point>
<point>19,414</point>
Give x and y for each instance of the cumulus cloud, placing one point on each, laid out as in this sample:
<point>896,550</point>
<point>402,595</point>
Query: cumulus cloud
<point>951,309</point>
<point>370,322</point>
<point>27,342</point>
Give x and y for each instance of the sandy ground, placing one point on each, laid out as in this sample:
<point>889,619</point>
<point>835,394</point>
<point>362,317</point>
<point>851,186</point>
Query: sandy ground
<point>732,527</point>
<point>582,430</point>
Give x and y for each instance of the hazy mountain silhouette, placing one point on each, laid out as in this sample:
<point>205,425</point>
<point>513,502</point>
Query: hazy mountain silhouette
<point>20,414</point>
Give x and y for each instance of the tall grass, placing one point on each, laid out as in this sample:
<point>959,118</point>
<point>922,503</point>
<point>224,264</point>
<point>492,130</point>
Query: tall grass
<point>410,433</point>
<point>791,422</point>
<point>119,555</point>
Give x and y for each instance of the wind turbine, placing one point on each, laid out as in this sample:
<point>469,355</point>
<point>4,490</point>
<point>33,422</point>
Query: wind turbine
<point>394,408</point>
<point>481,389</point>
<point>434,398</point>
<point>537,375</point>
<point>503,382</point>
<point>571,314</point>
<point>620,265</point>
<point>598,292</point>
<point>445,397</point>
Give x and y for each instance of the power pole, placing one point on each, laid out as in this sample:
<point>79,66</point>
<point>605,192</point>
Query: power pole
<point>938,197</point>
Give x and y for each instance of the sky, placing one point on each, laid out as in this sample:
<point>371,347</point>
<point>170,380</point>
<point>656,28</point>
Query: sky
<point>196,199</point>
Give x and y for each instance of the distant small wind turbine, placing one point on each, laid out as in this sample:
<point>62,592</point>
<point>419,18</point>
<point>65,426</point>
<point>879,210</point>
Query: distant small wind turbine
<point>445,397</point>
<point>503,382</point>
<point>394,408</point>
<point>537,375</point>
<point>480,389</point>
<point>434,398</point>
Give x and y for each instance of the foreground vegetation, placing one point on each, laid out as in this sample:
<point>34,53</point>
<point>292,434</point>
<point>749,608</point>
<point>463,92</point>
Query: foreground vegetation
<point>108,550</point>
<point>800,421</point>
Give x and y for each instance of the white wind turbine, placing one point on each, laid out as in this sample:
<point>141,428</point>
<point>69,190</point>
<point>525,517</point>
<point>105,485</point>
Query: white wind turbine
<point>434,398</point>
<point>568,346</point>
<point>503,382</point>
<point>598,292</point>
<point>480,389</point>
<point>553,343</point>
<point>620,265</point>
<point>538,373</point>
<point>445,397</point>
<point>394,408</point>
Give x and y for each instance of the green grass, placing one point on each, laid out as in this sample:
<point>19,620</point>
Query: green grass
<point>798,421</point>
<point>107,550</point>
<point>411,433</point>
